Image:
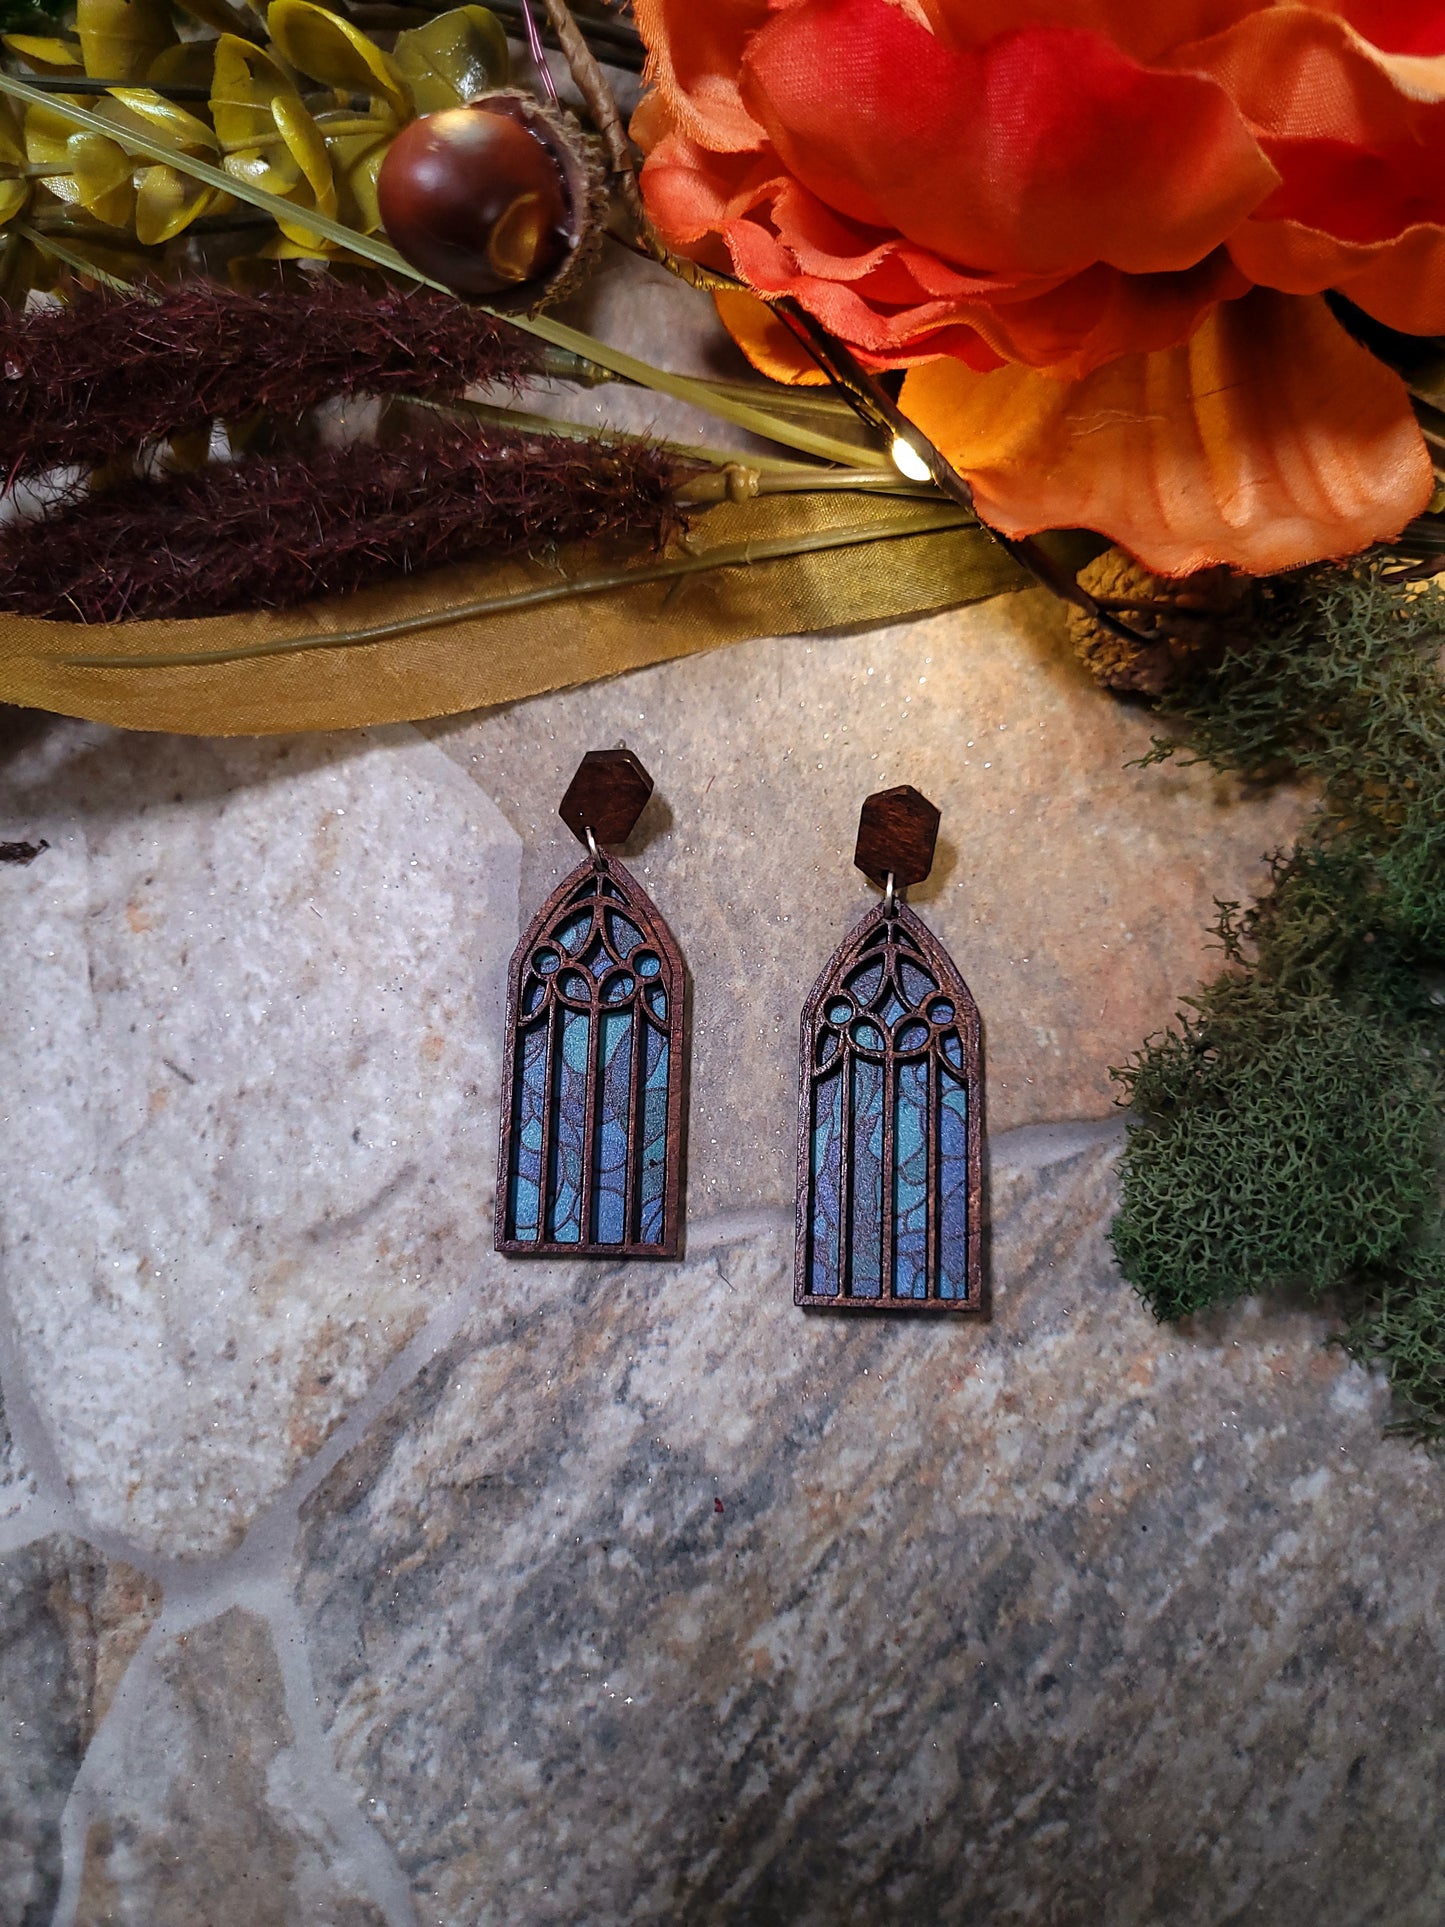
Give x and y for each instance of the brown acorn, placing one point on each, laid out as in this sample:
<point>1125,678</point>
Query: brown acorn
<point>499,198</point>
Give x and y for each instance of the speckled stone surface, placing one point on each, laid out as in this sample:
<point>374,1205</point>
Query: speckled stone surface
<point>249,1111</point>
<point>70,1621</point>
<point>206,1819</point>
<point>655,1601</point>
<point>17,1483</point>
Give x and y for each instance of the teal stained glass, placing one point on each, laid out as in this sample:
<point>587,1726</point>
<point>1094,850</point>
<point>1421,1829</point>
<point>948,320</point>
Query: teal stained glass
<point>592,1126</point>
<point>889,1163</point>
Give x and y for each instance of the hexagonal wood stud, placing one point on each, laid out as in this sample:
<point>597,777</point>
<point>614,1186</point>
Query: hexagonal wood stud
<point>897,830</point>
<point>607,795</point>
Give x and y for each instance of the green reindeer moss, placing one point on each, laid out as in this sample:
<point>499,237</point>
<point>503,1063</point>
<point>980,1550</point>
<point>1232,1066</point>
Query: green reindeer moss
<point>1288,1133</point>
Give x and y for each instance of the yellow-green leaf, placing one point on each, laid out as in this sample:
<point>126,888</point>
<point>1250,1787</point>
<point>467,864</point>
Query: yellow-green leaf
<point>362,207</point>
<point>97,172</point>
<point>356,157</point>
<point>119,39</point>
<point>269,136</point>
<point>166,203</point>
<point>331,50</point>
<point>22,267</point>
<point>104,178</point>
<point>14,193</point>
<point>165,119</point>
<point>453,58</point>
<point>187,64</point>
<point>44,53</point>
<point>118,266</point>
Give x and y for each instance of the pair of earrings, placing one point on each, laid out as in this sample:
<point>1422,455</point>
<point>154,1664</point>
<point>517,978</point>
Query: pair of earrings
<point>889,1137</point>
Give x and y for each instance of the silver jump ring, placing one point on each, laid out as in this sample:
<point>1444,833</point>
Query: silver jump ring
<point>592,844</point>
<point>890,900</point>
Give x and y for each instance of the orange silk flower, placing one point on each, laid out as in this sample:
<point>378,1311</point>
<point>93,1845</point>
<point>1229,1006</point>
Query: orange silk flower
<point>1097,234</point>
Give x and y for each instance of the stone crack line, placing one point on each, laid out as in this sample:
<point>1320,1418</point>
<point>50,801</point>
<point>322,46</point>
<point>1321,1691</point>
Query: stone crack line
<point>259,1575</point>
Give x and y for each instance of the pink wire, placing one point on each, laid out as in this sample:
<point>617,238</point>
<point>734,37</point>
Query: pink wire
<point>534,47</point>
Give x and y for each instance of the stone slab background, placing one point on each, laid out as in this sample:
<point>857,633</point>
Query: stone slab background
<point>351,1575</point>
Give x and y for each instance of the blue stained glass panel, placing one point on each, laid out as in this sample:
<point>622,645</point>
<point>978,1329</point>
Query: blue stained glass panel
<point>892,1076</point>
<point>952,1188</point>
<point>609,1183</point>
<point>827,1197</point>
<point>910,1181</point>
<point>569,1129</point>
<point>865,982</point>
<point>573,933</point>
<point>654,1135</point>
<point>524,1202</point>
<point>867,1212</point>
<point>624,934</point>
<point>915,982</point>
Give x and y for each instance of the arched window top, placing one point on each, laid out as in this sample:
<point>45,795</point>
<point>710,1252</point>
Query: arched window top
<point>889,1175</point>
<point>592,1124</point>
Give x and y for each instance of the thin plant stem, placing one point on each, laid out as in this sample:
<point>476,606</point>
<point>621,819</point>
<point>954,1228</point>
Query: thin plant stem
<point>593,87</point>
<point>58,251</point>
<point>534,424</point>
<point>89,84</point>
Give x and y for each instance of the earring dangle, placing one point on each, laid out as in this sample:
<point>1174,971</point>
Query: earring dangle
<point>890,1119</point>
<point>591,1152</point>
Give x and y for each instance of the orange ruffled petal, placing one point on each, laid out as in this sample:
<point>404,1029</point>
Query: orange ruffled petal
<point>1269,440</point>
<point>771,347</point>
<point>1360,147</point>
<point>1039,154</point>
<point>694,57</point>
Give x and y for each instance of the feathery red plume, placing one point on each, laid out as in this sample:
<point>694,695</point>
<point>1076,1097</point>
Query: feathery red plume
<point>102,376</point>
<point>270,531</point>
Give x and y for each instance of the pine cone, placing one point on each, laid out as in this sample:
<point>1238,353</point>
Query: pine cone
<point>1181,646</point>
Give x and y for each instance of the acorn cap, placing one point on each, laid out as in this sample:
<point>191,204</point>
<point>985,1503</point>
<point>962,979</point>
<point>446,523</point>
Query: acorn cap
<point>581,161</point>
<point>500,199</point>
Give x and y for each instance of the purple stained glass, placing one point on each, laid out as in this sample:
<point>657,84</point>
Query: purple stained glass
<point>569,1129</point>
<point>865,1268</point>
<point>953,1188</point>
<point>592,1128</point>
<point>609,1187</point>
<point>911,1134</point>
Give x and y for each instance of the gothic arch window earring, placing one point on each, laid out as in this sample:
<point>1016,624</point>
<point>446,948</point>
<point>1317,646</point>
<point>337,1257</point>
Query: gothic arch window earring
<point>889,1137</point>
<point>591,1152</point>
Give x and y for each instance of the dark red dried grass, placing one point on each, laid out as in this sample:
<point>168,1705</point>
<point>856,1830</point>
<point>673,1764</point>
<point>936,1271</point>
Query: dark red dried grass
<point>105,375</point>
<point>272,531</point>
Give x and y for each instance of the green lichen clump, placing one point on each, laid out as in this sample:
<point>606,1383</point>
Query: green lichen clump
<point>1288,1133</point>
